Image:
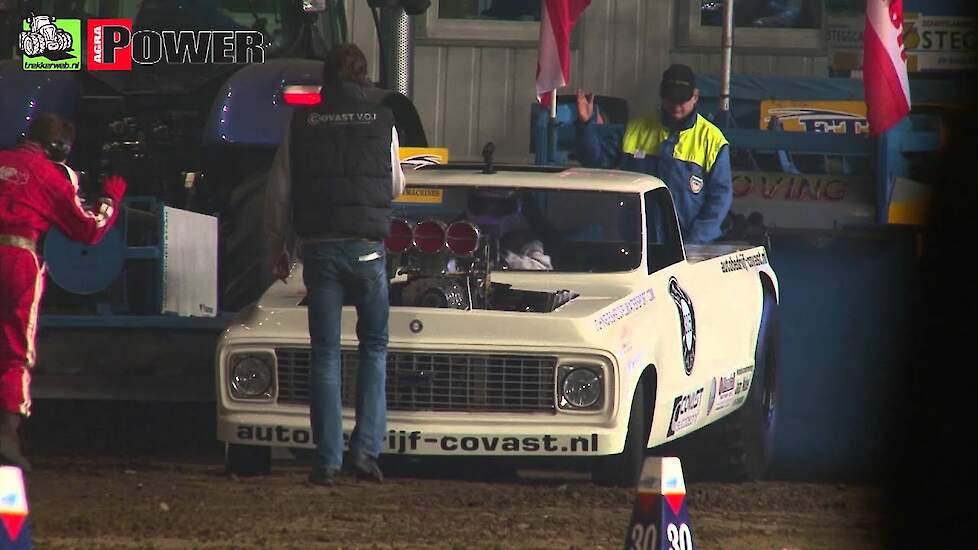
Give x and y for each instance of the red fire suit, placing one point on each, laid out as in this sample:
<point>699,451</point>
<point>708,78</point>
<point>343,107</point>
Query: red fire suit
<point>36,194</point>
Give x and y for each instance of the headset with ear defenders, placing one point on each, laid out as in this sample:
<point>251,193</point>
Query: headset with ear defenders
<point>58,150</point>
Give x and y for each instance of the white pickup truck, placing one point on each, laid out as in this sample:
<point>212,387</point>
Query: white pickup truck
<point>534,312</point>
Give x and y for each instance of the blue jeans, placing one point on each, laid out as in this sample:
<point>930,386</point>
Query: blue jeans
<point>357,269</point>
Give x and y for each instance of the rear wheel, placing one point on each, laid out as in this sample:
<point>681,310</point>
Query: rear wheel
<point>740,447</point>
<point>247,460</point>
<point>245,267</point>
<point>623,470</point>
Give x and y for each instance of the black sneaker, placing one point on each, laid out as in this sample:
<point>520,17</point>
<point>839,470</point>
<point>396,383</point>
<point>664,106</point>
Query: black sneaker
<point>10,453</point>
<point>366,467</point>
<point>323,477</point>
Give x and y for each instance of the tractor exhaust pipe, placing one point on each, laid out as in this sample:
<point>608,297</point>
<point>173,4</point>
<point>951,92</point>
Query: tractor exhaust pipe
<point>727,55</point>
<point>399,42</point>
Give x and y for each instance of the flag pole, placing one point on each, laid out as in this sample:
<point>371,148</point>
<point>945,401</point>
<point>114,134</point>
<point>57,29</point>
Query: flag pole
<point>552,129</point>
<point>726,45</point>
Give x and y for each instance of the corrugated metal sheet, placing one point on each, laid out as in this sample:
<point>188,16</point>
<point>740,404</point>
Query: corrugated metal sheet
<point>469,94</point>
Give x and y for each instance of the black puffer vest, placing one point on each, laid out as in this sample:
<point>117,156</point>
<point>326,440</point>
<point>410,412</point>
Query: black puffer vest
<point>341,166</point>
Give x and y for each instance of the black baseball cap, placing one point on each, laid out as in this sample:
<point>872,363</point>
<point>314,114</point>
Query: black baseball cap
<point>678,82</point>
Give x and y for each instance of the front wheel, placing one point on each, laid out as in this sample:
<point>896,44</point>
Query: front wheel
<point>33,45</point>
<point>623,470</point>
<point>247,460</point>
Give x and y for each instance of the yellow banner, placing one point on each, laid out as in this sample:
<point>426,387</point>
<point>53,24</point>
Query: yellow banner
<point>421,195</point>
<point>416,157</point>
<point>840,117</point>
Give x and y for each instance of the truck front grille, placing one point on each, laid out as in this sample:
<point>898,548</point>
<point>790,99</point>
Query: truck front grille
<point>435,381</point>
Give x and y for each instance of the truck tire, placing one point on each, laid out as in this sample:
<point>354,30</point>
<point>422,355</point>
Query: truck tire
<point>740,447</point>
<point>245,268</point>
<point>247,460</point>
<point>623,470</point>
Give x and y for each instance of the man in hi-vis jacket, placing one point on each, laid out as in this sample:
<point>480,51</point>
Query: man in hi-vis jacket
<point>676,144</point>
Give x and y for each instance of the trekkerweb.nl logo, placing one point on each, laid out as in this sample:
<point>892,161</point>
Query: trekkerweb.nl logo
<point>50,44</point>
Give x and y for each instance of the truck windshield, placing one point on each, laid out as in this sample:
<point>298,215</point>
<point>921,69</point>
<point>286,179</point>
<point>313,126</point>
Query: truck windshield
<point>539,229</point>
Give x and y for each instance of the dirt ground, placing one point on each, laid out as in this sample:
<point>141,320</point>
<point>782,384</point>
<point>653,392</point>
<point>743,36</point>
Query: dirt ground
<point>133,476</point>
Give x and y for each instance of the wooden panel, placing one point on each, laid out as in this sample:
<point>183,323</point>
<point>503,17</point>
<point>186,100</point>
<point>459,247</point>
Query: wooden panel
<point>624,36</point>
<point>524,94</point>
<point>495,99</point>
<point>428,97</point>
<point>461,100</point>
<point>361,31</point>
<point>594,50</point>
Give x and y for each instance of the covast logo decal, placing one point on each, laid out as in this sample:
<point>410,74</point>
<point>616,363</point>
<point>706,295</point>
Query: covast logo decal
<point>113,46</point>
<point>685,410</point>
<point>50,44</point>
<point>687,323</point>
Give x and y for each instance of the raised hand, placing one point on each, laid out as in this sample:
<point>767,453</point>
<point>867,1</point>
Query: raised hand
<point>585,105</point>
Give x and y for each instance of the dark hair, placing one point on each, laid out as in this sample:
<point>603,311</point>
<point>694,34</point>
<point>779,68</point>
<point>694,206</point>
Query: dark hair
<point>346,63</point>
<point>48,128</point>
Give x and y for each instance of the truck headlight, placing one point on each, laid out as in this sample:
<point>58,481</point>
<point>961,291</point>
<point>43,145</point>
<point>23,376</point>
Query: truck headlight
<point>250,376</point>
<point>580,387</point>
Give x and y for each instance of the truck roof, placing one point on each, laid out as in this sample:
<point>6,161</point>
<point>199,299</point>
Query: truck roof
<point>585,179</point>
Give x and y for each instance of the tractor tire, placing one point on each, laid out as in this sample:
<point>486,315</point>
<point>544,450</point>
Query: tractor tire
<point>247,460</point>
<point>64,41</point>
<point>624,469</point>
<point>740,447</point>
<point>33,45</point>
<point>245,267</point>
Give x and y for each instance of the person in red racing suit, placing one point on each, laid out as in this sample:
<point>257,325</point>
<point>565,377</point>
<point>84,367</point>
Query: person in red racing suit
<point>37,192</point>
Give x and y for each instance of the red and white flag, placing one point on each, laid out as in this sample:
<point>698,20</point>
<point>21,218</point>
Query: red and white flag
<point>885,81</point>
<point>557,18</point>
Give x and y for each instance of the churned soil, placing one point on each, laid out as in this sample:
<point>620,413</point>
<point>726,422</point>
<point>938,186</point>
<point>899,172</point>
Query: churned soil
<point>115,475</point>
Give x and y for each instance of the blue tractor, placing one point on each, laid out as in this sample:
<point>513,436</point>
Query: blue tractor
<point>194,141</point>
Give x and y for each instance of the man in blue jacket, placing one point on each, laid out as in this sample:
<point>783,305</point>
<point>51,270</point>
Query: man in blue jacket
<point>676,144</point>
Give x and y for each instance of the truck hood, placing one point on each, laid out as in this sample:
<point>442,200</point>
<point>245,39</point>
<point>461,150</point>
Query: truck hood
<point>277,316</point>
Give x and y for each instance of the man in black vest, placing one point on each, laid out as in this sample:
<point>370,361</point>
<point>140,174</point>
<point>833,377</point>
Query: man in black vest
<point>333,180</point>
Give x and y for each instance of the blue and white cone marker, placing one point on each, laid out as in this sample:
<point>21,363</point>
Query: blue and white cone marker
<point>660,518</point>
<point>15,531</point>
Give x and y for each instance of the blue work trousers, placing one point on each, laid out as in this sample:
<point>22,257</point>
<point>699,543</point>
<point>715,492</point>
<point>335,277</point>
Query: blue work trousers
<point>356,269</point>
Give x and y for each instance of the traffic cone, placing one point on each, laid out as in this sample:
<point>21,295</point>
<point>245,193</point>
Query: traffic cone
<point>16,532</point>
<point>660,518</point>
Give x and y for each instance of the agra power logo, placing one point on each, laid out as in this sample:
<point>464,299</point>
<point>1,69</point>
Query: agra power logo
<point>50,44</point>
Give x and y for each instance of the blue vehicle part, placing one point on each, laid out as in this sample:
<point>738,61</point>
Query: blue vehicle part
<point>544,132</point>
<point>83,269</point>
<point>89,269</point>
<point>27,93</point>
<point>250,108</point>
